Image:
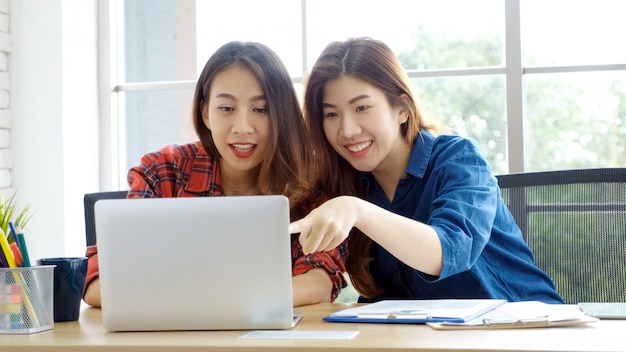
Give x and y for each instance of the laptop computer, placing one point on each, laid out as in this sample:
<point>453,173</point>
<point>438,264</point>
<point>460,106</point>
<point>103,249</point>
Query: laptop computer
<point>208,263</point>
<point>604,310</point>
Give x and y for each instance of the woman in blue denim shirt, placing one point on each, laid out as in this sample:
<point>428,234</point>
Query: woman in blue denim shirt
<point>423,208</point>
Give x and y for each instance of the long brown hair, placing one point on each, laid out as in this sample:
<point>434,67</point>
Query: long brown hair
<point>371,61</point>
<point>287,167</point>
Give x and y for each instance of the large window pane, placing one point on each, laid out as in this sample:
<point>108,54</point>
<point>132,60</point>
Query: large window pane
<point>576,120</point>
<point>565,32</point>
<point>275,23</point>
<point>434,30</point>
<point>159,41</point>
<point>473,107</point>
<point>169,40</point>
<point>152,120</point>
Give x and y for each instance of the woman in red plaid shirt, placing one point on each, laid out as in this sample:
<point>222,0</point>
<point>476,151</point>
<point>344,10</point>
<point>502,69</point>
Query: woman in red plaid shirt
<point>251,141</point>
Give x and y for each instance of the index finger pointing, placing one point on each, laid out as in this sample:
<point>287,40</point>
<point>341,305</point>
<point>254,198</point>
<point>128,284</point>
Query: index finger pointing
<point>296,227</point>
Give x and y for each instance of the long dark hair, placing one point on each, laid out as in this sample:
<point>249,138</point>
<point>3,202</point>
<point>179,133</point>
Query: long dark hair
<point>287,167</point>
<point>374,62</point>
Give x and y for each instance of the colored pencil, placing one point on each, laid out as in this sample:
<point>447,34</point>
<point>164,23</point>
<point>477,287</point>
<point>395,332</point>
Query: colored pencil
<point>21,243</point>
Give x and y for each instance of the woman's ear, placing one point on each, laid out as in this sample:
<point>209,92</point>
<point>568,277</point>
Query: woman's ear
<point>403,110</point>
<point>205,115</point>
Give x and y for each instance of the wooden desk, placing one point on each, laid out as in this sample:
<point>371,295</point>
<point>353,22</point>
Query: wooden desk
<point>88,335</point>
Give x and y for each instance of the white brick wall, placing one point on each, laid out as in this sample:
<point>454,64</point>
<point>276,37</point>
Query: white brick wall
<point>6,156</point>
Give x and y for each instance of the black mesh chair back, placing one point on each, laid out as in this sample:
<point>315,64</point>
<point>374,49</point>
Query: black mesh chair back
<point>89,201</point>
<point>575,223</point>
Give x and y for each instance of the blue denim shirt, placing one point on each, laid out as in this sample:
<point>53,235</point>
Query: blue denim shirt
<point>450,186</point>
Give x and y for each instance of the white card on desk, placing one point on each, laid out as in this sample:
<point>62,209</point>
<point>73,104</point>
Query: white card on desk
<point>301,334</point>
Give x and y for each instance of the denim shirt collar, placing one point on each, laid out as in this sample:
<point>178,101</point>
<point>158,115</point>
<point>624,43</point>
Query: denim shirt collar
<point>420,156</point>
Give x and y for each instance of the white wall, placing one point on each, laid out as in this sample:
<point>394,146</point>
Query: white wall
<point>6,155</point>
<point>53,97</point>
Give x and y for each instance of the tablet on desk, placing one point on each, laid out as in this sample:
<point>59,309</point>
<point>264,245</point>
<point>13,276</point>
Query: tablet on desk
<point>604,310</point>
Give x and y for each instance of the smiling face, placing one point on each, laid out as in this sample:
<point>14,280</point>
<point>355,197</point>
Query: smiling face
<point>237,116</point>
<point>362,127</point>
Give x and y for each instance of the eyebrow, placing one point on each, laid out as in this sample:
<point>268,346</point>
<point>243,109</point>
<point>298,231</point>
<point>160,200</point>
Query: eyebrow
<point>351,101</point>
<point>230,96</point>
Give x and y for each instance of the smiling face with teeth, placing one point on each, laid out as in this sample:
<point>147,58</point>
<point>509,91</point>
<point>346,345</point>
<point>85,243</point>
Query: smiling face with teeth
<point>363,127</point>
<point>237,116</point>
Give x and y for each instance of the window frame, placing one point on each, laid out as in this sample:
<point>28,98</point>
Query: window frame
<point>111,85</point>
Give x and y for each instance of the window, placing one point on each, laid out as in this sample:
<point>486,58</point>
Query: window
<point>575,84</point>
<point>538,84</point>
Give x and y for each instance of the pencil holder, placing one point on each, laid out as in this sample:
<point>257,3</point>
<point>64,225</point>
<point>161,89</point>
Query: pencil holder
<point>26,299</point>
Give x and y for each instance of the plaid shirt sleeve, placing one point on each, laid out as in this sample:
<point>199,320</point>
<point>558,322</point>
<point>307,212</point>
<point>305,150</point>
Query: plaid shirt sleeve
<point>332,261</point>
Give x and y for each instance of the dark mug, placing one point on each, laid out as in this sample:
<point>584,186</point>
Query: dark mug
<point>69,285</point>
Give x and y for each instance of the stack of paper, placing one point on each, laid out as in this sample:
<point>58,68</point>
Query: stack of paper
<point>529,314</point>
<point>464,314</point>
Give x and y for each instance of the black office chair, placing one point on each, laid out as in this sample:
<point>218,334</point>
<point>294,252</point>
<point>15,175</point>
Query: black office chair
<point>89,201</point>
<point>575,223</point>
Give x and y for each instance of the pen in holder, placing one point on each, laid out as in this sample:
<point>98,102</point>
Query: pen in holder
<point>26,299</point>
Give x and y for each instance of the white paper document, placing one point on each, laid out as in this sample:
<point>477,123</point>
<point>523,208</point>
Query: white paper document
<point>301,334</point>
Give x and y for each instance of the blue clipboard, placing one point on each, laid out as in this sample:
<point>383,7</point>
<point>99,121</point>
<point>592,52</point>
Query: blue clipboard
<point>416,311</point>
